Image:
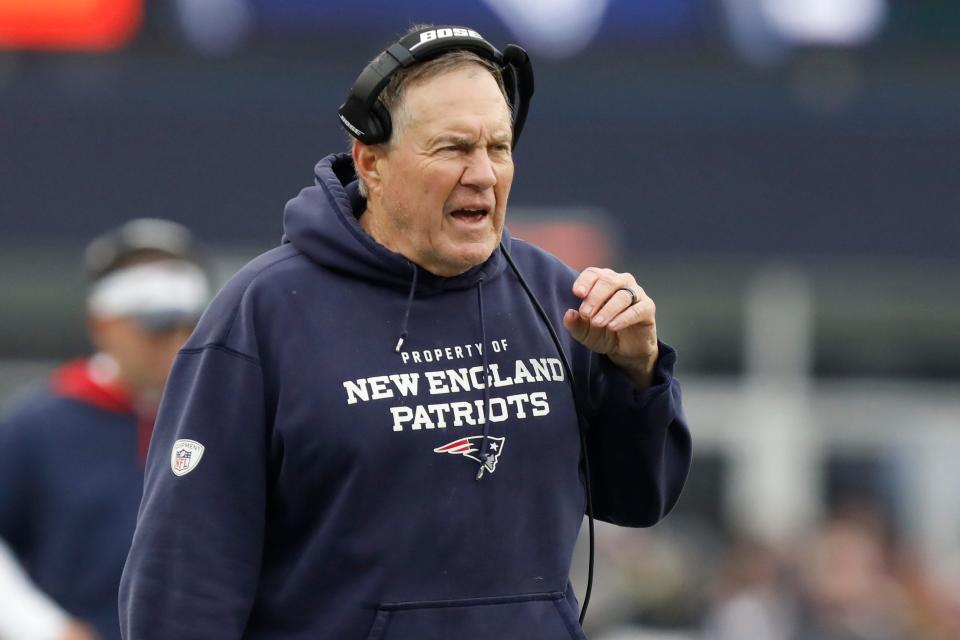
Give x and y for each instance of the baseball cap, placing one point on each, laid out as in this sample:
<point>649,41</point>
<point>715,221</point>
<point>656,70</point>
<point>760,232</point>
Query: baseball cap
<point>147,269</point>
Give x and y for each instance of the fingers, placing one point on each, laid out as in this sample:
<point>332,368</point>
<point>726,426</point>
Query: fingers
<point>642,313</point>
<point>610,322</point>
<point>603,300</point>
<point>585,281</point>
<point>577,326</point>
<point>595,287</point>
<point>595,339</point>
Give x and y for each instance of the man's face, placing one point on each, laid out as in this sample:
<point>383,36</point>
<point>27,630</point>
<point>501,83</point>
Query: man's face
<point>446,176</point>
<point>144,356</point>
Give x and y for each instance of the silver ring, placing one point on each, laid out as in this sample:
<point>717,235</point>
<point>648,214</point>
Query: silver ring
<point>633,295</point>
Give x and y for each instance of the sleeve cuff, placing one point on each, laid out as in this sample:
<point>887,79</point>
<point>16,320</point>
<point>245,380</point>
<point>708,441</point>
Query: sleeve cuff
<point>617,382</point>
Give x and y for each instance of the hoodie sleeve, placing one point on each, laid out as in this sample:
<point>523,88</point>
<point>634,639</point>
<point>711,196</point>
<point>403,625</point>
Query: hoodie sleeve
<point>639,444</point>
<point>194,562</point>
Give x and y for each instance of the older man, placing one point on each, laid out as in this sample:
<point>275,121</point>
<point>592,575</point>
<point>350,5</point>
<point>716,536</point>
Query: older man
<point>372,433</point>
<point>73,451</point>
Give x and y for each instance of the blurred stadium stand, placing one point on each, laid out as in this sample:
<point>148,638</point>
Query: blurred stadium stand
<point>778,178</point>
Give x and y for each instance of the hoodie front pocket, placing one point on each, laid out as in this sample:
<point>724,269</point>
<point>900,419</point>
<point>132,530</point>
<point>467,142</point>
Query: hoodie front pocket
<point>535,616</point>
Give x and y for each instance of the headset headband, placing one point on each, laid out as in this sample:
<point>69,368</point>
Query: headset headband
<point>364,116</point>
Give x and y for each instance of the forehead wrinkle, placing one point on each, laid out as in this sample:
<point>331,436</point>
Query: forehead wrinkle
<point>415,112</point>
<point>471,135</point>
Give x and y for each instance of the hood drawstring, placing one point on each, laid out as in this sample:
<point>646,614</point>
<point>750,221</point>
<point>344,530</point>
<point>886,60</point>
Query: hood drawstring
<point>406,313</point>
<point>486,382</point>
<point>483,455</point>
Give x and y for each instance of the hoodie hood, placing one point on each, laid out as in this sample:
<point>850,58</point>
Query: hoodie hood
<point>322,223</point>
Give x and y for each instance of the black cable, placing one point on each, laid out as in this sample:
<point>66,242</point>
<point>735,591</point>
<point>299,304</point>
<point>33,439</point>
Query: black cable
<point>580,422</point>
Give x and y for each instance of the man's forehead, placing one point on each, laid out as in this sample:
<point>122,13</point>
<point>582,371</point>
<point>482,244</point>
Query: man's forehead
<point>456,97</point>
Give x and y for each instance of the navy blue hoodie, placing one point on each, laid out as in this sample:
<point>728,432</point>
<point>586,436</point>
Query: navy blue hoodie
<point>308,479</point>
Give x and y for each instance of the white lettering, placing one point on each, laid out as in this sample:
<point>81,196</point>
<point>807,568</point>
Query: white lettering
<point>437,381</point>
<point>556,369</point>
<point>378,387</point>
<point>517,401</point>
<point>475,377</point>
<point>400,415</point>
<point>495,375</point>
<point>356,390</point>
<point>480,411</point>
<point>459,380</point>
<point>541,369</point>
<point>406,383</point>
<point>541,406</point>
<point>422,419</point>
<point>438,410</point>
<point>521,374</point>
<point>498,410</point>
<point>462,414</point>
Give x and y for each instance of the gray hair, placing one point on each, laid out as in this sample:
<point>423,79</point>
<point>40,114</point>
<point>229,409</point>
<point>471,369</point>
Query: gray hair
<point>392,95</point>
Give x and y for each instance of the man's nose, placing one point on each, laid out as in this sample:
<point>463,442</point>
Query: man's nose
<point>480,172</point>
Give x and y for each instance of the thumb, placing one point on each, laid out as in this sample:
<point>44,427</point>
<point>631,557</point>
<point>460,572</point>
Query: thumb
<point>576,325</point>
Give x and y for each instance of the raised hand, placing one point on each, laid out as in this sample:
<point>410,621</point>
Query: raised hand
<point>616,318</point>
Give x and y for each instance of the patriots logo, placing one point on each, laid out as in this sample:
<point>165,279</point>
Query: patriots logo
<point>470,448</point>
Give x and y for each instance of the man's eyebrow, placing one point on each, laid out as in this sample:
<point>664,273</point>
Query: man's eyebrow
<point>452,138</point>
<point>461,140</point>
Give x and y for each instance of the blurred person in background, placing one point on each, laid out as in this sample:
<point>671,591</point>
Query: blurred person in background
<point>26,613</point>
<point>73,451</point>
<point>848,587</point>
<point>753,595</point>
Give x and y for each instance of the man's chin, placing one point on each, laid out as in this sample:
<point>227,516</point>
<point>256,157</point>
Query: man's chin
<point>475,255</point>
<point>463,259</point>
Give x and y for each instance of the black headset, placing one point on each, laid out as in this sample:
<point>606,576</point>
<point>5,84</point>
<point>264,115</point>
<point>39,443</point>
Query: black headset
<point>366,119</point>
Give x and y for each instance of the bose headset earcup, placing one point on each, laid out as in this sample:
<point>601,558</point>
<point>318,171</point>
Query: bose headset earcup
<point>516,63</point>
<point>381,126</point>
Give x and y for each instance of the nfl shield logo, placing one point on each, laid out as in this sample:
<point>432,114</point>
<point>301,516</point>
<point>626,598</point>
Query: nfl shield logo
<point>181,460</point>
<point>185,456</point>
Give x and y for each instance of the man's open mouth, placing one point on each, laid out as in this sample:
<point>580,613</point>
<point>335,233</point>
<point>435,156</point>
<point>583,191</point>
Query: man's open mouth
<point>469,215</point>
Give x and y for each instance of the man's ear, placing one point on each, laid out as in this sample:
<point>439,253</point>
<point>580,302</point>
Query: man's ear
<point>366,159</point>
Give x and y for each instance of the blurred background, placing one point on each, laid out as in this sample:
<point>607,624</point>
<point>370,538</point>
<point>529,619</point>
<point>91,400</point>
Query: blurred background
<point>775,172</point>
